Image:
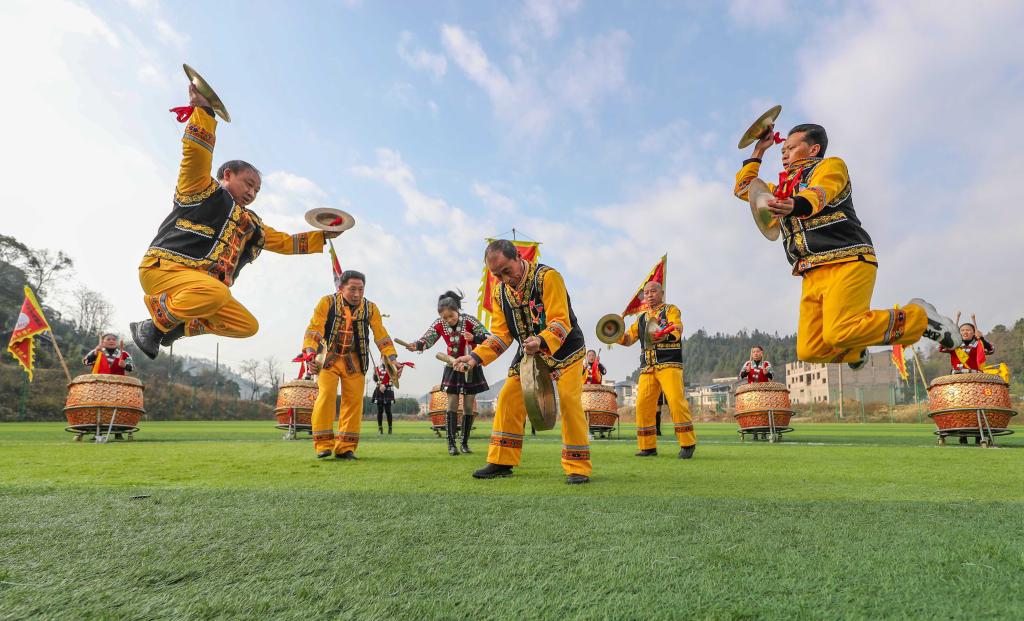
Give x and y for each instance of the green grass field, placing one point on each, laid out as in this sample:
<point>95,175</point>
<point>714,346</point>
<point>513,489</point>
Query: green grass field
<point>838,521</point>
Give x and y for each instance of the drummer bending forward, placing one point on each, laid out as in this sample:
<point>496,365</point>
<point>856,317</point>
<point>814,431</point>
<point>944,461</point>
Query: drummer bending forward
<point>108,358</point>
<point>757,369</point>
<point>661,371</point>
<point>826,245</point>
<point>535,311</point>
<point>344,320</point>
<point>203,244</point>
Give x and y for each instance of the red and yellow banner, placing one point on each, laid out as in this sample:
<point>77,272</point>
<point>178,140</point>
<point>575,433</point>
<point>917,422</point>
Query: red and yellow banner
<point>636,304</point>
<point>529,251</point>
<point>900,361</point>
<point>31,323</point>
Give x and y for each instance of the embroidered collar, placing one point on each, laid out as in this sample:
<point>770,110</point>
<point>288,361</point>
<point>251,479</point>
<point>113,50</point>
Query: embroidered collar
<point>520,292</point>
<point>801,164</point>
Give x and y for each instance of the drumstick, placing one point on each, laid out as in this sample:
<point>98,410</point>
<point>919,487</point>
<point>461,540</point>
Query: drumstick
<point>445,358</point>
<point>402,343</point>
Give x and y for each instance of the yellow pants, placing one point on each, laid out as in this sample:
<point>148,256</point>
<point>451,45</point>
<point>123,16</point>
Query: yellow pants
<point>177,294</point>
<point>836,320</point>
<point>325,409</point>
<point>670,381</point>
<point>510,415</point>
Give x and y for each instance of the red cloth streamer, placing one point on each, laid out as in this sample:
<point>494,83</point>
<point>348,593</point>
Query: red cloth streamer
<point>778,139</point>
<point>183,112</point>
<point>786,185</point>
<point>666,330</point>
<point>303,358</point>
<point>337,221</point>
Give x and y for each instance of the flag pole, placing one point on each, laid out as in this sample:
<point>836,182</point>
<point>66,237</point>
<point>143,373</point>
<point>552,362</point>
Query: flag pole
<point>917,364</point>
<point>56,348</point>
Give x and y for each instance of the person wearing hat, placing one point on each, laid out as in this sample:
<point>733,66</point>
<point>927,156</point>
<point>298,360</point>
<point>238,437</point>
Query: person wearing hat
<point>203,244</point>
<point>339,335</point>
<point>828,247</point>
<point>460,333</point>
<point>660,332</point>
<point>109,358</point>
<point>535,310</point>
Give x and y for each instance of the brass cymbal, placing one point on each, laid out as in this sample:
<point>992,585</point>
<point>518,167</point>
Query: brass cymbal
<point>758,195</point>
<point>538,392</point>
<point>207,91</point>
<point>757,129</point>
<point>610,328</point>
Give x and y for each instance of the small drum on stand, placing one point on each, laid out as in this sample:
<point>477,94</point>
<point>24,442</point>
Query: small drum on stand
<point>763,410</point>
<point>294,409</point>
<point>104,405</point>
<point>439,407</point>
<point>970,405</point>
<point>601,408</point>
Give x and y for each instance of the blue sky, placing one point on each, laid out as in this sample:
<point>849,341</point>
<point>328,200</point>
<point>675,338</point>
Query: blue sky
<point>606,130</point>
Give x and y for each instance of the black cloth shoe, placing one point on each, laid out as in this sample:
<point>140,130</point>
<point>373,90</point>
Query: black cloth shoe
<point>467,425</point>
<point>648,453</point>
<point>577,479</point>
<point>940,328</point>
<point>493,471</point>
<point>686,452</point>
<point>380,430</point>
<point>856,364</point>
<point>324,453</point>
<point>389,430</point>
<point>347,456</point>
<point>452,428</point>
<point>176,333</point>
<point>147,337</point>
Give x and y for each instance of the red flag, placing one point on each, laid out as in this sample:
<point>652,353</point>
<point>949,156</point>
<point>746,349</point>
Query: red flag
<point>899,361</point>
<point>31,323</point>
<point>335,266</point>
<point>636,304</point>
<point>529,251</point>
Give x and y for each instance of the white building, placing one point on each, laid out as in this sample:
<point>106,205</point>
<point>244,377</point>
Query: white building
<point>877,381</point>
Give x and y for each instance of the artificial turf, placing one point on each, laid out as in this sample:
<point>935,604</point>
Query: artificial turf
<point>225,520</point>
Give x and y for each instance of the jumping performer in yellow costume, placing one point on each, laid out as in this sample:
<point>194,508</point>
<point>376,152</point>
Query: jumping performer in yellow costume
<point>827,246</point>
<point>535,310</point>
<point>660,331</point>
<point>201,247</point>
<point>340,330</point>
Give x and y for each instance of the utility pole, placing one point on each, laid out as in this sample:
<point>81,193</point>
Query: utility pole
<point>841,414</point>
<point>216,377</point>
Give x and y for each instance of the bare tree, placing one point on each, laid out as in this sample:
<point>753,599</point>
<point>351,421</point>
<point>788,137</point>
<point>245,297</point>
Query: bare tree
<point>250,370</point>
<point>90,310</point>
<point>13,251</point>
<point>42,267</point>
<point>272,373</point>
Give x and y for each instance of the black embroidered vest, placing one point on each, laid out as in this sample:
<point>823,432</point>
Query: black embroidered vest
<point>833,233</point>
<point>657,355</point>
<point>205,231</point>
<point>529,318</point>
<point>360,332</point>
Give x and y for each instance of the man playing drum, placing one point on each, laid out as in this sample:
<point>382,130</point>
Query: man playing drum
<point>660,331</point>
<point>827,246</point>
<point>203,244</point>
<point>757,369</point>
<point>340,328</point>
<point>536,312</point>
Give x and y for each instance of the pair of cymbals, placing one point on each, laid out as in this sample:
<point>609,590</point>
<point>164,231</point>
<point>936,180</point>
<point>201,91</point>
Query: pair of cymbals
<point>538,392</point>
<point>330,219</point>
<point>759,128</point>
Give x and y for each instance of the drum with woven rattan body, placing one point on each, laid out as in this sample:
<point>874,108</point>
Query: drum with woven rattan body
<point>295,401</point>
<point>97,403</point>
<point>763,409</point>
<point>601,407</point>
<point>970,405</point>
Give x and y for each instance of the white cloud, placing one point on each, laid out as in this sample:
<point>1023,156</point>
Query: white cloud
<point>421,59</point>
<point>594,68</point>
<point>546,15</point>
<point>759,14</point>
<point>494,199</point>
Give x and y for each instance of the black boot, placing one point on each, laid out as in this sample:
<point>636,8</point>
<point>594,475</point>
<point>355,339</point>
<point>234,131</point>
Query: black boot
<point>686,452</point>
<point>176,333</point>
<point>493,471</point>
<point>380,429</point>
<point>451,420</point>
<point>467,425</point>
<point>647,453</point>
<point>147,337</point>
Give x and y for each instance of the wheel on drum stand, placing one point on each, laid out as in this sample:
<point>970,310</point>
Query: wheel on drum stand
<point>131,436</point>
<point>941,441</point>
<point>78,437</point>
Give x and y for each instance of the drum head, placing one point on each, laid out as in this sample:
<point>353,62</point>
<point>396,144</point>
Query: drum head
<point>538,392</point>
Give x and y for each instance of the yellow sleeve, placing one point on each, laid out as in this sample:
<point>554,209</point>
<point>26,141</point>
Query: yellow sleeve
<point>556,309</point>
<point>747,174</point>
<point>829,178</point>
<point>674,317</point>
<point>316,328</point>
<point>631,334</point>
<point>380,334</point>
<point>300,243</point>
<point>499,339</point>
<point>195,174</point>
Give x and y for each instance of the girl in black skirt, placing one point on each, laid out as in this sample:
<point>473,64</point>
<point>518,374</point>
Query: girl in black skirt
<point>383,396</point>
<point>461,333</point>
